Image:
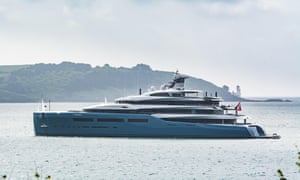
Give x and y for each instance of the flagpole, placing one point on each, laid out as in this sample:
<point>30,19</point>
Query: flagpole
<point>238,108</point>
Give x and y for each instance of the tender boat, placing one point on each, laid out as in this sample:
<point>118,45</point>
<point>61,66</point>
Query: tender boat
<point>171,112</point>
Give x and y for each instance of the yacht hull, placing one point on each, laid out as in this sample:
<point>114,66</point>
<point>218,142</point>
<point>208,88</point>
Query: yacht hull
<point>92,124</point>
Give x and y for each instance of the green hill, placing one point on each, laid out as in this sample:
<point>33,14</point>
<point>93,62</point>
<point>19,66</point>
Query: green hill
<point>69,81</point>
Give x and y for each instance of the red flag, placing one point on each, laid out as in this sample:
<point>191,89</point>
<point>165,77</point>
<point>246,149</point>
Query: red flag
<point>238,107</point>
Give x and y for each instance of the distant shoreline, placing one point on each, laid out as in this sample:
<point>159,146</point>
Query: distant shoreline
<point>268,100</point>
<point>241,100</point>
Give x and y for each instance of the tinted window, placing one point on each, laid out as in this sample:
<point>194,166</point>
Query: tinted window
<point>138,120</point>
<point>110,120</point>
<point>83,119</point>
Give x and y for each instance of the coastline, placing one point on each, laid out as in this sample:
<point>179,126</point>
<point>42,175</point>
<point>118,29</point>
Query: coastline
<point>250,99</point>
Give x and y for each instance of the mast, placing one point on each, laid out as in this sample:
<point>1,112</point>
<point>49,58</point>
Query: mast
<point>178,82</point>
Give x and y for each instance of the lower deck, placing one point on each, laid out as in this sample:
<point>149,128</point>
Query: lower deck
<point>134,125</point>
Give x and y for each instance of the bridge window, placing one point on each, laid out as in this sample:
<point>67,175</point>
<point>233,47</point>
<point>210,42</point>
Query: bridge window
<point>164,94</point>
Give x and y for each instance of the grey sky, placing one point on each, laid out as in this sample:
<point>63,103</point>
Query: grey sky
<point>253,43</point>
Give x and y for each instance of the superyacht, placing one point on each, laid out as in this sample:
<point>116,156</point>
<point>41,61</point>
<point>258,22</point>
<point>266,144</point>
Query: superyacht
<point>171,112</point>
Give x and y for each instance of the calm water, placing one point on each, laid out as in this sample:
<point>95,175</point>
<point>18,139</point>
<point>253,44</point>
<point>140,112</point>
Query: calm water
<point>21,153</point>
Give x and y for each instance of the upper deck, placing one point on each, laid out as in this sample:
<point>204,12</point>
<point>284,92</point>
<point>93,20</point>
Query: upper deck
<point>172,93</point>
<point>171,97</point>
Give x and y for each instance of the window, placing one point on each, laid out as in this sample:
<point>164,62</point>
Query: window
<point>110,120</point>
<point>137,120</point>
<point>191,94</point>
<point>83,119</point>
<point>160,94</point>
<point>180,94</point>
<point>99,127</point>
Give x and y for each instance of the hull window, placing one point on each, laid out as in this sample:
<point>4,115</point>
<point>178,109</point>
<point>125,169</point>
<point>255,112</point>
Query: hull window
<point>110,120</point>
<point>83,119</point>
<point>204,121</point>
<point>99,127</point>
<point>138,120</point>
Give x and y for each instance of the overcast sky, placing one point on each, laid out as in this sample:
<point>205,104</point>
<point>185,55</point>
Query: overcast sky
<point>251,43</point>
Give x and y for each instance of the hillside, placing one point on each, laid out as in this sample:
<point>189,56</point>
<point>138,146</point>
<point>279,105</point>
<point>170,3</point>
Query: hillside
<point>69,81</point>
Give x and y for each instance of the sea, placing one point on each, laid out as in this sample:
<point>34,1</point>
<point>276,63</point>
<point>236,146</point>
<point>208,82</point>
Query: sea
<point>22,154</point>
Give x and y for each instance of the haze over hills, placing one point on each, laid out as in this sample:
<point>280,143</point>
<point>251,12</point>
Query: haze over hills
<point>69,81</point>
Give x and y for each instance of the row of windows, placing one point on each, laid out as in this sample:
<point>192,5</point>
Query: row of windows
<point>108,120</point>
<point>141,120</point>
<point>63,126</point>
<point>208,102</point>
<point>177,94</point>
<point>207,121</point>
<point>161,111</point>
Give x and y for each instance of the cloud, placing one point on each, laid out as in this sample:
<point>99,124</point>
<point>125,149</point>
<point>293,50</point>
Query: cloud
<point>239,7</point>
<point>204,38</point>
